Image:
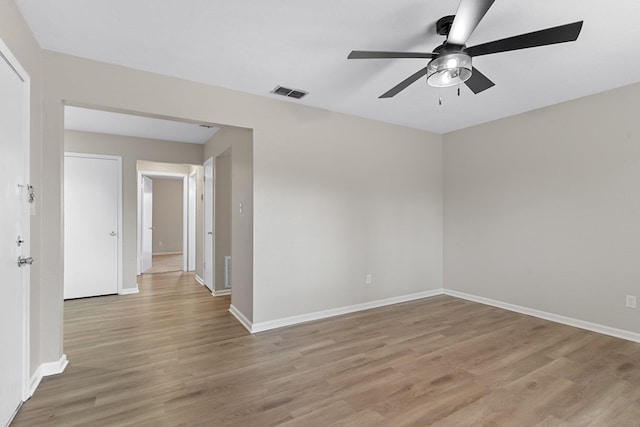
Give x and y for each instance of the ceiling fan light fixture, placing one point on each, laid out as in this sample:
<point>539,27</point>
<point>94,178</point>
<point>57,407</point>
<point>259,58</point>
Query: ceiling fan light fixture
<point>449,70</point>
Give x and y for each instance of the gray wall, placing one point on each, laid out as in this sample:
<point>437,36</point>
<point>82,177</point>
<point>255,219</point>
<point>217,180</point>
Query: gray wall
<point>539,208</point>
<point>542,209</point>
<point>132,150</point>
<point>167,215</point>
<point>239,142</point>
<point>327,197</point>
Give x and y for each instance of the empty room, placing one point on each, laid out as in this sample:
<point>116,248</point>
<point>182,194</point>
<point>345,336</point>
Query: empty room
<point>405,213</point>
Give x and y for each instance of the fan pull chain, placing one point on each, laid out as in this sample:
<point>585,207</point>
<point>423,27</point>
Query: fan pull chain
<point>440,96</point>
<point>458,90</point>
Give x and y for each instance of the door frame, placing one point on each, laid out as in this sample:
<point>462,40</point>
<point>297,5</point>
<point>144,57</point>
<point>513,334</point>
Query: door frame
<point>212,196</point>
<point>120,231</point>
<point>192,223</point>
<point>22,74</point>
<point>185,215</point>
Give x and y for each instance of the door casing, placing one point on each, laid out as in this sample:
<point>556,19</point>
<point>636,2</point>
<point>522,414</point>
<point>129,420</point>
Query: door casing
<point>118,160</point>
<point>186,246</point>
<point>209,224</point>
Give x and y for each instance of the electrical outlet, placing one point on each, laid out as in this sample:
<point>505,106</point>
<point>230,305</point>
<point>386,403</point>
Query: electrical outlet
<point>368,278</point>
<point>631,301</point>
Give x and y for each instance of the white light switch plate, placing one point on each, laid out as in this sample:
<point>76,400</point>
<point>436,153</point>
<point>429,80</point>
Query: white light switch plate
<point>631,301</point>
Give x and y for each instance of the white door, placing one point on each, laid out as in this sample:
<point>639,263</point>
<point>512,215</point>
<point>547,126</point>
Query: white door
<point>14,222</point>
<point>147,223</point>
<point>208,223</point>
<point>191,224</point>
<point>91,232</point>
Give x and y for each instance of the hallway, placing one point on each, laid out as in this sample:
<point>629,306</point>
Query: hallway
<point>131,357</point>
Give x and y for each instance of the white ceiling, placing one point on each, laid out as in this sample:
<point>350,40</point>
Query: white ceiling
<point>87,120</point>
<point>252,46</point>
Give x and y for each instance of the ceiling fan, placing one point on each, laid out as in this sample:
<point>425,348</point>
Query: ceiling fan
<point>450,63</point>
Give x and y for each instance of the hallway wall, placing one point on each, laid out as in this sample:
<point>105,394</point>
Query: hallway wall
<point>167,215</point>
<point>132,149</point>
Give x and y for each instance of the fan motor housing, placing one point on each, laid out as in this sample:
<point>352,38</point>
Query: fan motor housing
<point>443,26</point>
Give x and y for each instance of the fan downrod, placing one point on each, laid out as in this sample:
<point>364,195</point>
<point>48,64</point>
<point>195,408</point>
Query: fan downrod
<point>443,26</point>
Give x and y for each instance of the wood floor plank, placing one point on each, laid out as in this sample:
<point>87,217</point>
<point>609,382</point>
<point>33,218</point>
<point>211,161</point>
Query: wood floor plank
<point>173,355</point>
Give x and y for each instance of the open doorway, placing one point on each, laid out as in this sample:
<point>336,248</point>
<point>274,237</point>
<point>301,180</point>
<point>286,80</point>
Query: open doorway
<point>166,146</point>
<point>217,224</point>
<point>88,133</point>
<point>167,215</point>
<point>164,225</point>
<point>222,224</point>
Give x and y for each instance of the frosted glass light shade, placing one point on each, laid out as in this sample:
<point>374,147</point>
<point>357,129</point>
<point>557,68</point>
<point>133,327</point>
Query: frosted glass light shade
<point>449,70</point>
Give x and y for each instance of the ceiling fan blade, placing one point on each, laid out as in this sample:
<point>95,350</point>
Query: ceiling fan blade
<point>366,54</point>
<point>468,16</point>
<point>478,82</point>
<point>560,34</point>
<point>404,84</point>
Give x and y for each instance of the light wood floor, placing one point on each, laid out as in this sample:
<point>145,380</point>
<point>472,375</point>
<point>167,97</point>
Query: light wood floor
<point>165,263</point>
<point>172,355</point>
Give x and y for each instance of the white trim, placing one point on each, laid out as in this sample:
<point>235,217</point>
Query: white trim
<point>582,324</point>
<point>54,368</point>
<point>211,262</point>
<point>118,160</point>
<point>192,222</point>
<point>34,382</point>
<point>139,224</point>
<point>199,279</point>
<point>129,291</point>
<point>294,320</point>
<point>12,417</point>
<point>221,292</point>
<point>241,318</point>
<point>45,370</point>
<point>185,217</point>
<point>185,222</point>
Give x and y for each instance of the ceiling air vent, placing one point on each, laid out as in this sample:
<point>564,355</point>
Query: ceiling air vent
<point>291,93</point>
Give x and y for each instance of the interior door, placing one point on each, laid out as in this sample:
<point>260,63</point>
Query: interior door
<point>208,223</point>
<point>14,226</point>
<point>90,225</point>
<point>147,223</point>
<point>191,224</point>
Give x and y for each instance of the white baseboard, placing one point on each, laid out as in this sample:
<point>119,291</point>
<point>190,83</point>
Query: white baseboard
<point>294,320</point>
<point>199,279</point>
<point>129,291</point>
<point>219,293</point>
<point>46,369</point>
<point>241,318</point>
<point>34,381</point>
<point>582,324</point>
<point>166,253</point>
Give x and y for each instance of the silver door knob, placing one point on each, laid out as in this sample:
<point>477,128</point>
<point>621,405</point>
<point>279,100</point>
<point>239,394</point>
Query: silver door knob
<point>210,232</point>
<point>112,234</point>
<point>22,261</point>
